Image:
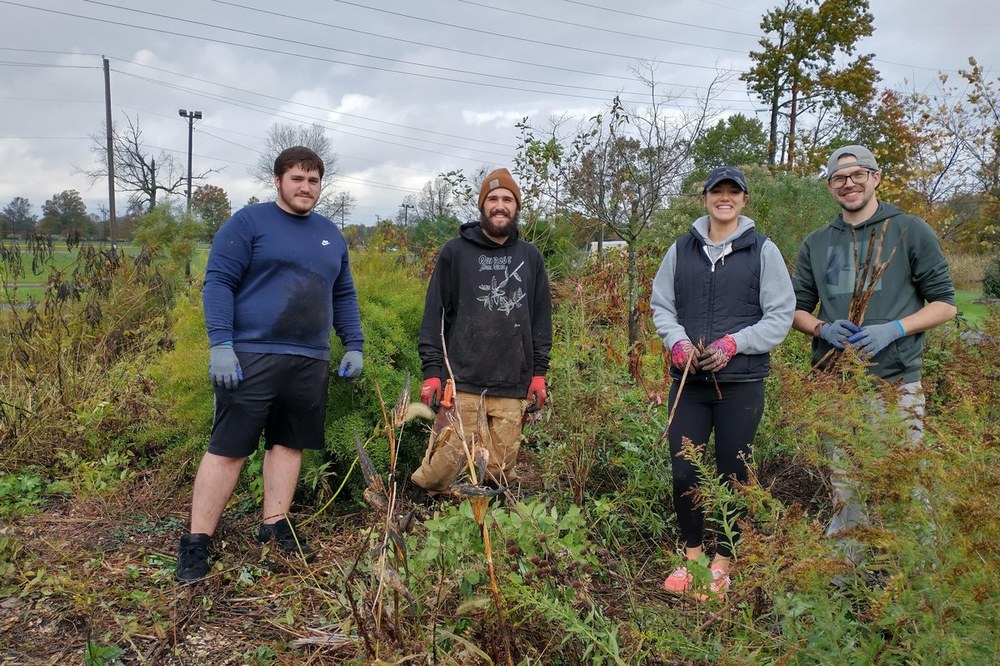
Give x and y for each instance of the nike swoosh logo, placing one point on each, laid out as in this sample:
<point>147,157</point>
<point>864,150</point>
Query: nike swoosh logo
<point>326,242</point>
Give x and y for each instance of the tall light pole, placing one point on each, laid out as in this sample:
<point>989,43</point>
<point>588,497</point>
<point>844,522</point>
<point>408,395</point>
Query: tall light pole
<point>191,117</point>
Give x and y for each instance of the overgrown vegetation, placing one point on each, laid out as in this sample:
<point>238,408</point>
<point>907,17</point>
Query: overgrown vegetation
<point>105,417</point>
<point>991,278</point>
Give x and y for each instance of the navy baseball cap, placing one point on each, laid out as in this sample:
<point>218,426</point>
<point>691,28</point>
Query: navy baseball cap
<point>719,174</point>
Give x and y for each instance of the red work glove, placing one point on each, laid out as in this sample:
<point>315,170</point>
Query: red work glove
<point>717,355</point>
<point>680,353</point>
<point>536,391</point>
<point>430,392</point>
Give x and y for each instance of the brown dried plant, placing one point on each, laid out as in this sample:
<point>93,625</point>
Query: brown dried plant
<point>866,278</point>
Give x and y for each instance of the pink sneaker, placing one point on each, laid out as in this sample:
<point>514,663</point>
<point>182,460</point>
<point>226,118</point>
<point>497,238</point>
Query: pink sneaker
<point>720,582</point>
<point>678,581</point>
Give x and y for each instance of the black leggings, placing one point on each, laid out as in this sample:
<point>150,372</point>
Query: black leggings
<point>735,419</point>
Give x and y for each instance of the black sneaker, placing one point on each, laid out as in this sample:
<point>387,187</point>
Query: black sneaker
<point>192,557</point>
<point>289,539</point>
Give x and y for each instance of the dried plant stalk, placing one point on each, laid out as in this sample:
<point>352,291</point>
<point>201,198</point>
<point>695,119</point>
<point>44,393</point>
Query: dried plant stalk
<point>866,277</point>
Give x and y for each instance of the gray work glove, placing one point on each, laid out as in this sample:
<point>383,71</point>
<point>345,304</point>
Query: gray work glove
<point>223,367</point>
<point>870,340</point>
<point>351,364</point>
<point>837,332</point>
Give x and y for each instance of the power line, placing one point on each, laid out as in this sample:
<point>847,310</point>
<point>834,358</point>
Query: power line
<point>646,17</point>
<point>521,39</point>
<point>491,85</point>
<point>310,106</point>
<point>591,27</point>
<point>57,138</point>
<point>322,47</point>
<point>290,115</point>
<point>8,63</point>
<point>314,22</point>
<point>73,53</point>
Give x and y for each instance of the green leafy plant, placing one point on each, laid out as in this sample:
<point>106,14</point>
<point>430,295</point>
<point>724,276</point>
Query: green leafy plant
<point>97,655</point>
<point>991,278</point>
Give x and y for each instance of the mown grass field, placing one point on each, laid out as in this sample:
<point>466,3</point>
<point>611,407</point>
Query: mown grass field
<point>971,306</point>
<point>30,285</point>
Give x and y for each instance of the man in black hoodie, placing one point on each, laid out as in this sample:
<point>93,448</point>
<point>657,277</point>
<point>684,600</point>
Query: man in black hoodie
<point>487,321</point>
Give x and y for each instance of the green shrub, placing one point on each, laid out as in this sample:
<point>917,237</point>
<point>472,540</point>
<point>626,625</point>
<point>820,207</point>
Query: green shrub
<point>73,374</point>
<point>991,278</point>
<point>391,300</point>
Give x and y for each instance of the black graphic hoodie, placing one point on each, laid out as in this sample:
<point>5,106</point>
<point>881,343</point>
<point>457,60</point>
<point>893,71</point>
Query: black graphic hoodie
<point>497,312</point>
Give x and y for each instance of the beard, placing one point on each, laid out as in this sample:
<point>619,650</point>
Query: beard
<point>858,205</point>
<point>499,229</point>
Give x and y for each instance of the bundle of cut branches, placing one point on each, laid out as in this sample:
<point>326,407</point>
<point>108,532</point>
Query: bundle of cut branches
<point>866,279</point>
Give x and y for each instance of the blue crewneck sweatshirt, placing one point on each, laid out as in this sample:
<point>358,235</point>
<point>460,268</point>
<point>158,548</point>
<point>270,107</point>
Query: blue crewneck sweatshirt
<point>277,283</point>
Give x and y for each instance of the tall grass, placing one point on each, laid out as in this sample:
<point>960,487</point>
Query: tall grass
<point>967,270</point>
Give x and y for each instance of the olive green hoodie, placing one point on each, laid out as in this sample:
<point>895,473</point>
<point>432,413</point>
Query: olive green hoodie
<point>827,266</point>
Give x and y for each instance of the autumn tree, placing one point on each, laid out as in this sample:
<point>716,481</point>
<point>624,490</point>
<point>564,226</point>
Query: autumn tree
<point>65,214</point>
<point>16,218</point>
<point>281,136</point>
<point>146,174</point>
<point>210,204</point>
<point>941,151</point>
<point>800,67</point>
<point>978,130</point>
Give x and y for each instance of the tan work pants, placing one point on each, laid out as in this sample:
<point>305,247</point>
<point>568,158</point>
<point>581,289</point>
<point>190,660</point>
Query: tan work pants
<point>500,435</point>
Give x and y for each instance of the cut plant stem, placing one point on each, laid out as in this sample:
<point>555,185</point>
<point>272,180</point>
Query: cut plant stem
<point>677,399</point>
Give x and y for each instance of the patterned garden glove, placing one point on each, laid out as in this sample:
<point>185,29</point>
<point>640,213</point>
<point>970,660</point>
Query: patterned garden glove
<point>351,364</point>
<point>536,392</point>
<point>870,340</point>
<point>223,367</point>
<point>680,353</point>
<point>430,392</point>
<point>717,355</point>
<point>837,332</point>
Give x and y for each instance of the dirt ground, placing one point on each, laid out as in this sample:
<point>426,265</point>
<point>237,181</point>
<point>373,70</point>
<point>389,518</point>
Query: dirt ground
<point>101,572</point>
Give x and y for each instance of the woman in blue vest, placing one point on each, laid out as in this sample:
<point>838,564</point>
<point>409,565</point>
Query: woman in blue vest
<point>721,301</point>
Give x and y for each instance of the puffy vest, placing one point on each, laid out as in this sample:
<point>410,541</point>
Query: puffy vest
<point>713,300</point>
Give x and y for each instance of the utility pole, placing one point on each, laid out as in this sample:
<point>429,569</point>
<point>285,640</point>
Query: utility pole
<point>111,151</point>
<point>406,210</point>
<point>191,117</point>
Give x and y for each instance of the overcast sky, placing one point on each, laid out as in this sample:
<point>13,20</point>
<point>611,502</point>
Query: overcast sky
<point>406,89</point>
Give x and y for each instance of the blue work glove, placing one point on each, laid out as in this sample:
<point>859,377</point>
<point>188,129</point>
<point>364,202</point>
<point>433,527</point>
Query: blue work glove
<point>837,332</point>
<point>350,365</point>
<point>870,340</point>
<point>223,367</point>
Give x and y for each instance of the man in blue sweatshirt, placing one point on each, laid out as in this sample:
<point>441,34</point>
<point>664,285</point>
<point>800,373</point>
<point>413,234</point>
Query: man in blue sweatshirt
<point>914,294</point>
<point>278,280</point>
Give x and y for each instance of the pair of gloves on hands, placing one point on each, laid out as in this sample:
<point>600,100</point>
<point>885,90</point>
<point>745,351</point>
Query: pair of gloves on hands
<point>869,340</point>
<point>715,357</point>
<point>225,372</point>
<point>430,392</point>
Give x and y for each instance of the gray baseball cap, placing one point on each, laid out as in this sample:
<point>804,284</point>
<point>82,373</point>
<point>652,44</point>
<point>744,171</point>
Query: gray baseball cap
<point>862,157</point>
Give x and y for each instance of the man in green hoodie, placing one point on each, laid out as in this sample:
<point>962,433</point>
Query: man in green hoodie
<point>914,295</point>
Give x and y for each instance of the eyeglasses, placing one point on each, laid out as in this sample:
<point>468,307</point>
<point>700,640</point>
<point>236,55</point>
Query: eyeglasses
<point>858,177</point>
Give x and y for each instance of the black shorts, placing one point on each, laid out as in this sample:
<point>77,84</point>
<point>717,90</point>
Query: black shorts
<point>281,395</point>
